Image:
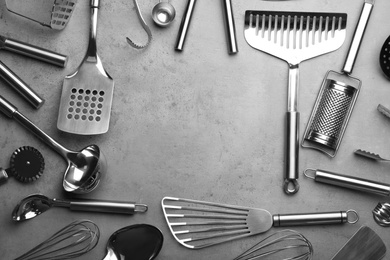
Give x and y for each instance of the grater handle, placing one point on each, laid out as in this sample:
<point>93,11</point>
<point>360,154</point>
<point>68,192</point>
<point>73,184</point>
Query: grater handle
<point>358,36</point>
<point>34,52</point>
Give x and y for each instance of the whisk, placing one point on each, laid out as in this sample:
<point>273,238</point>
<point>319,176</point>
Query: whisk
<point>381,214</point>
<point>74,240</point>
<point>283,243</point>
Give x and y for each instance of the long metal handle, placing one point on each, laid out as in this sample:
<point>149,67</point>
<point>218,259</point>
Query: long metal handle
<point>92,46</point>
<point>20,86</point>
<point>358,36</point>
<point>349,182</point>
<point>323,218</point>
<point>12,112</point>
<point>291,185</point>
<point>230,26</point>
<point>102,206</point>
<point>185,23</point>
<point>34,52</point>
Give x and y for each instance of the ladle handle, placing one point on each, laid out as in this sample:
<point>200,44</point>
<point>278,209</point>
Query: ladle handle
<point>12,112</point>
<point>106,206</point>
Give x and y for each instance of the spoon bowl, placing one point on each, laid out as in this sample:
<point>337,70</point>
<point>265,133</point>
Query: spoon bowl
<point>135,242</point>
<point>30,207</point>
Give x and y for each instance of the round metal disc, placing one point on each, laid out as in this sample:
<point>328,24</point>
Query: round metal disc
<point>384,58</point>
<point>27,164</point>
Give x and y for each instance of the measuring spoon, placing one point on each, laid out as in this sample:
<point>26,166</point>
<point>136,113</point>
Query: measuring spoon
<point>36,204</point>
<point>135,242</point>
<point>84,167</point>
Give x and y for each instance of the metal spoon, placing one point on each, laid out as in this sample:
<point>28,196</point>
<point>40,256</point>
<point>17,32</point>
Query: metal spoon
<point>36,204</point>
<point>135,242</point>
<point>84,167</point>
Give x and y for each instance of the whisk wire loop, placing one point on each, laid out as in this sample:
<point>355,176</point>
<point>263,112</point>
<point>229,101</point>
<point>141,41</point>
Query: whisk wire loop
<point>74,240</point>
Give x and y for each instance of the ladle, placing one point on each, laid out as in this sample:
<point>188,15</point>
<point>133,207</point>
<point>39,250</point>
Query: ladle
<point>84,167</point>
<point>36,204</point>
<point>135,242</point>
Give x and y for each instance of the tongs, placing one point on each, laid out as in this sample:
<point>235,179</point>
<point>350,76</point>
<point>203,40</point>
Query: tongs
<point>31,51</point>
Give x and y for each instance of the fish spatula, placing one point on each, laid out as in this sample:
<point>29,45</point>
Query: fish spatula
<point>87,94</point>
<point>198,224</point>
<point>294,37</point>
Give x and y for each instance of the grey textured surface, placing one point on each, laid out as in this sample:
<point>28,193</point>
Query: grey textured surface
<point>198,124</point>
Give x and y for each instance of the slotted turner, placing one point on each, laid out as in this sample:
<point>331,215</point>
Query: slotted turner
<point>294,37</point>
<point>198,224</point>
<point>86,97</point>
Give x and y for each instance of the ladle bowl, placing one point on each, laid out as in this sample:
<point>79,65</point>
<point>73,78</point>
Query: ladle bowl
<point>135,242</point>
<point>85,168</point>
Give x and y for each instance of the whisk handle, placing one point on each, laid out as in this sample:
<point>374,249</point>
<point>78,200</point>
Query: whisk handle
<point>322,218</point>
<point>106,206</point>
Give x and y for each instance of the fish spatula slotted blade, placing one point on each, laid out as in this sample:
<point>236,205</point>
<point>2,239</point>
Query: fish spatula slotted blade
<point>294,37</point>
<point>87,94</point>
<point>198,224</point>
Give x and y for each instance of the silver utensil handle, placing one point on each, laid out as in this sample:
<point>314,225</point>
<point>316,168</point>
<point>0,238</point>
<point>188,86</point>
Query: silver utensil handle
<point>102,206</point>
<point>358,36</point>
<point>230,26</point>
<point>323,218</point>
<point>185,23</point>
<point>35,52</point>
<point>349,182</point>
<point>20,86</point>
<point>12,112</point>
<point>92,45</point>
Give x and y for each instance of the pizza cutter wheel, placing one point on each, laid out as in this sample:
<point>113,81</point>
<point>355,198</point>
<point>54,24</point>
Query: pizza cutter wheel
<point>26,165</point>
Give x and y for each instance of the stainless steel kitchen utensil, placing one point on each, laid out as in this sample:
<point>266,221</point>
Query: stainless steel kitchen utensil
<point>73,240</point>
<point>349,182</point>
<point>227,222</point>
<point>50,13</point>
<point>135,242</point>
<point>36,204</point>
<point>337,97</point>
<point>230,27</point>
<point>184,25</point>
<point>384,110</point>
<point>294,37</point>
<point>85,167</point>
<point>144,25</point>
<point>283,245</point>
<point>365,244</point>
<point>31,51</point>
<point>87,94</point>
<point>163,13</point>
<point>26,165</point>
<point>384,58</point>
<point>370,155</point>
<point>381,214</point>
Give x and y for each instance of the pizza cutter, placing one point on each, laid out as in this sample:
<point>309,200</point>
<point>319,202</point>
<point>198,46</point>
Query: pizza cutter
<point>26,165</point>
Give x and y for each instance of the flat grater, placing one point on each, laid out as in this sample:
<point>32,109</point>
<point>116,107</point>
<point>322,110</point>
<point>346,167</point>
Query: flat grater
<point>336,99</point>
<point>50,13</point>
<point>294,37</point>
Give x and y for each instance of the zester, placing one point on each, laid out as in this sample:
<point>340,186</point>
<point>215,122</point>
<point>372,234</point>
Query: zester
<point>87,94</point>
<point>294,37</point>
<point>336,99</point>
